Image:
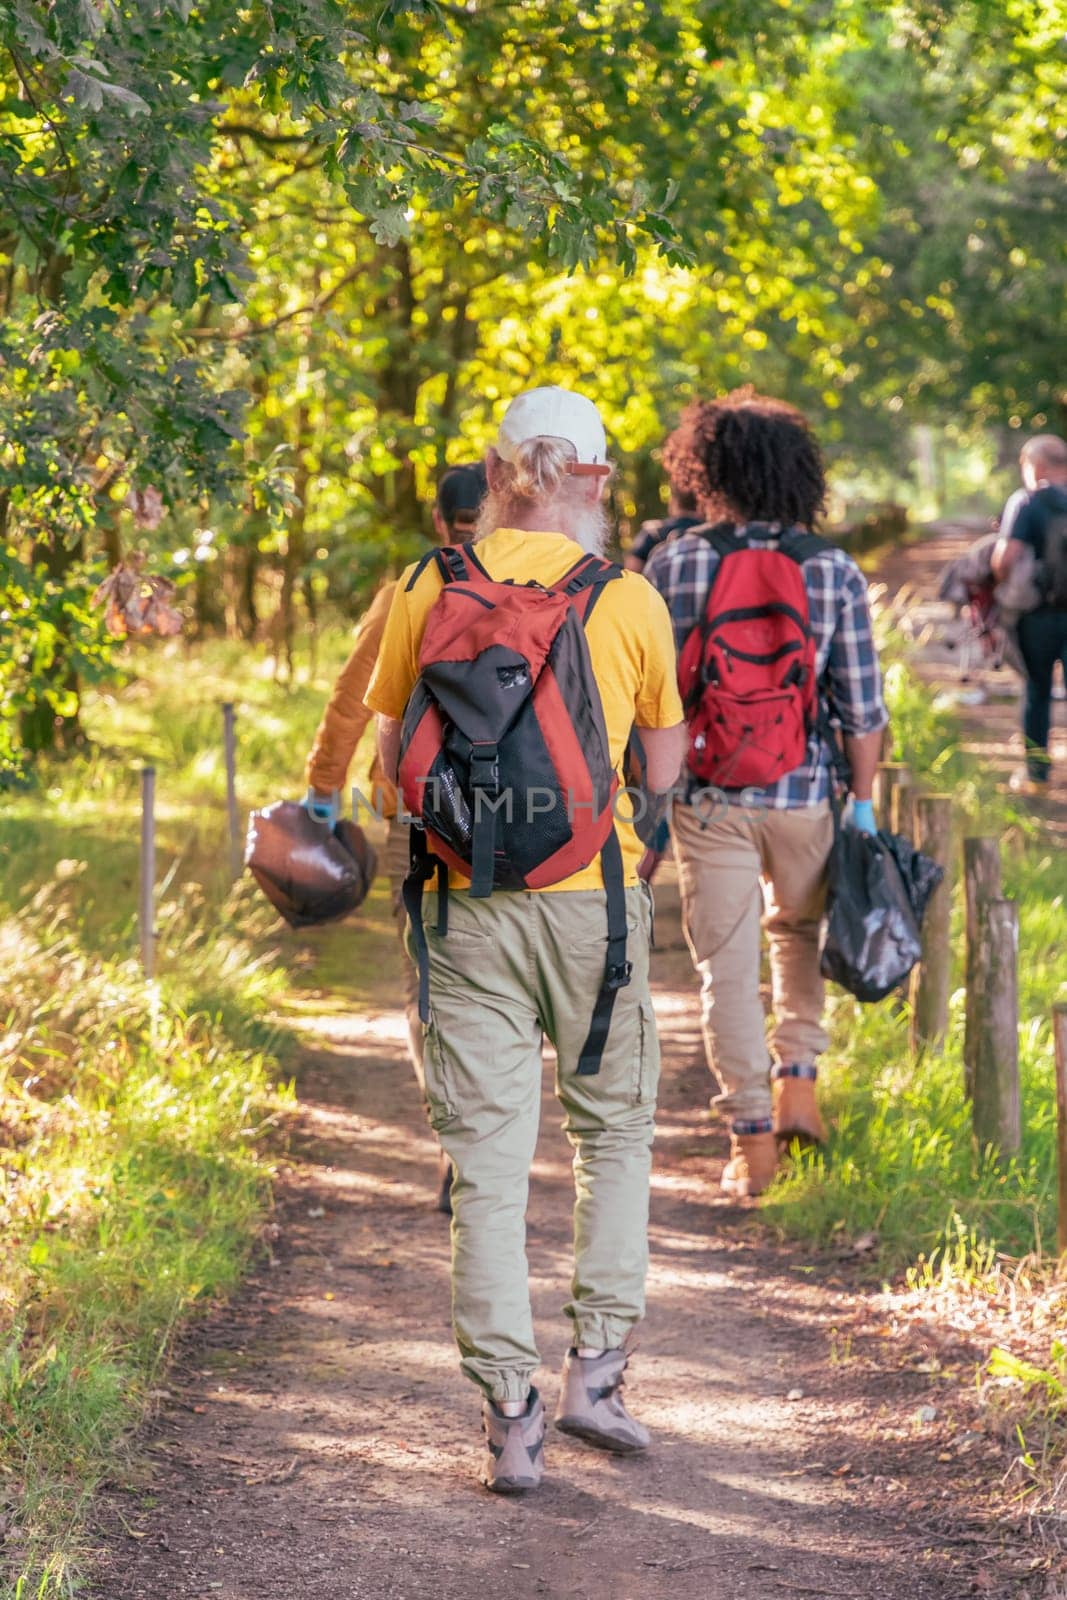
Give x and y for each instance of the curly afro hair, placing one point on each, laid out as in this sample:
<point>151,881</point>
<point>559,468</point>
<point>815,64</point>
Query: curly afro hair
<point>748,456</point>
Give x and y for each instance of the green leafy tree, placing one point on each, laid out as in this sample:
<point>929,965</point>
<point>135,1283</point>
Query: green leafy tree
<point>117,233</point>
<point>275,264</point>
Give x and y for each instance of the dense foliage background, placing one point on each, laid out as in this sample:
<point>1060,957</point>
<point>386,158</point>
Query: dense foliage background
<point>265,268</point>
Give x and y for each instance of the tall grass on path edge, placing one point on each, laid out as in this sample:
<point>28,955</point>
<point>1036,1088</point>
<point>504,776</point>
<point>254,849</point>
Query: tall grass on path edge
<point>139,1122</point>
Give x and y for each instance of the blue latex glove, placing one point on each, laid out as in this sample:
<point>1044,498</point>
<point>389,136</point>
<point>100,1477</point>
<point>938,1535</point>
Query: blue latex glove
<point>861,816</point>
<point>326,810</point>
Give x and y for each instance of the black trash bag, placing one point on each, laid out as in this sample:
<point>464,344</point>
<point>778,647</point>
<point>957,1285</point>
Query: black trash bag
<point>920,873</point>
<point>309,872</point>
<point>874,911</point>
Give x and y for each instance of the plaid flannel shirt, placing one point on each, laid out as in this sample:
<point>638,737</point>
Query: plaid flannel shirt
<point>850,680</point>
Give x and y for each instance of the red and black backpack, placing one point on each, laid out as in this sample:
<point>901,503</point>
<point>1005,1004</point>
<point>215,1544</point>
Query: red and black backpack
<point>504,759</point>
<point>747,672</point>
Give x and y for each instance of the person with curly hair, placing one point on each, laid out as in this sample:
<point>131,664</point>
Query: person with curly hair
<point>757,854</point>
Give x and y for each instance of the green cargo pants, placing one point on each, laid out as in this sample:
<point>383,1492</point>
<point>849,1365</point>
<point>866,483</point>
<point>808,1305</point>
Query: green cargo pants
<point>510,969</point>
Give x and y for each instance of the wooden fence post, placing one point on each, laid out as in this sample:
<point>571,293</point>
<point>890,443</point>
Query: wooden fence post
<point>1059,1034</point>
<point>981,882</point>
<point>229,739</point>
<point>996,1108</point>
<point>931,980</point>
<point>886,778</point>
<point>147,914</point>
<point>902,801</point>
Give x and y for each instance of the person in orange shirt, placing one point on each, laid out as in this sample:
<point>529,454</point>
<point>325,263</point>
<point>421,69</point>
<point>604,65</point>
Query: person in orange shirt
<point>459,494</point>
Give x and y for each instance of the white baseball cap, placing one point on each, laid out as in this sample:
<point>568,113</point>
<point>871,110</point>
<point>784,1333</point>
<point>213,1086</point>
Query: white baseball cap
<point>554,413</point>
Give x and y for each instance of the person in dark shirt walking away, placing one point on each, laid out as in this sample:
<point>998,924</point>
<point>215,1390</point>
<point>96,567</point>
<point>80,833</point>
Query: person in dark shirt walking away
<point>753,830</point>
<point>1036,518</point>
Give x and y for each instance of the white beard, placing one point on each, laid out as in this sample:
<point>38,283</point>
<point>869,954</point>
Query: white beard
<point>587,525</point>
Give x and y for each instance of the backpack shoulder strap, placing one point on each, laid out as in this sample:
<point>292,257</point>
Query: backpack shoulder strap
<point>471,557</point>
<point>585,582</point>
<point>722,537</point>
<point>588,571</point>
<point>422,866</point>
<point>617,969</point>
<point>452,563</point>
<point>801,546</point>
<point>420,568</point>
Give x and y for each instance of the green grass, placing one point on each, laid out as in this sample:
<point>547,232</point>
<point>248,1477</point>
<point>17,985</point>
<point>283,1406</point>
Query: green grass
<point>138,1121</point>
<point>901,1161</point>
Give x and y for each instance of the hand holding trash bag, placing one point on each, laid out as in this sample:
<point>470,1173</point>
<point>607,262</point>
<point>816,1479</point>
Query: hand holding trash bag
<point>860,816</point>
<point>879,888</point>
<point>324,808</point>
<point>309,871</point>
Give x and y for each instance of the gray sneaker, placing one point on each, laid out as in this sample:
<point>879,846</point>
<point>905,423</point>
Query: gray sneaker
<point>516,1460</point>
<point>590,1403</point>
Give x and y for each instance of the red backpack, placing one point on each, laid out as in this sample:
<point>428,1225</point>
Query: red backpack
<point>747,672</point>
<point>504,759</point>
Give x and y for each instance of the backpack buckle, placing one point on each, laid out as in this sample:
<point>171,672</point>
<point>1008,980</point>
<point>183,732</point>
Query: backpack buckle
<point>485,768</point>
<point>618,975</point>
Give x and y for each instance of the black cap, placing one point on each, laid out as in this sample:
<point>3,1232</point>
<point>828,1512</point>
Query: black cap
<point>460,493</point>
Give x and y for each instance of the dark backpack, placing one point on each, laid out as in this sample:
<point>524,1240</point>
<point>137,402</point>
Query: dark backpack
<point>747,672</point>
<point>1054,560</point>
<point>504,759</point>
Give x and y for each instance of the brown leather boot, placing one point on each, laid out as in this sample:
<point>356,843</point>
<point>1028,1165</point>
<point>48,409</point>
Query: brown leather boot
<point>796,1112</point>
<point>752,1165</point>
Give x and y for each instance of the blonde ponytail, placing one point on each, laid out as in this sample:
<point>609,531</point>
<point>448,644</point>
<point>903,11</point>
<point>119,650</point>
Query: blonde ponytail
<point>541,489</point>
<point>541,468</point>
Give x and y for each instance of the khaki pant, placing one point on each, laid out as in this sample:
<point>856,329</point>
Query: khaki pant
<point>396,862</point>
<point>510,969</point>
<point>742,869</point>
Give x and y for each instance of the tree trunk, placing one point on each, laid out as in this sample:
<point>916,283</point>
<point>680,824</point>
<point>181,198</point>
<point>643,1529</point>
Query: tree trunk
<point>296,541</point>
<point>311,602</point>
<point>207,600</point>
<point>457,353</point>
<point>39,727</point>
<point>400,377</point>
<point>256,527</point>
<point>112,542</point>
<point>247,609</point>
<point>40,730</point>
<point>647,477</point>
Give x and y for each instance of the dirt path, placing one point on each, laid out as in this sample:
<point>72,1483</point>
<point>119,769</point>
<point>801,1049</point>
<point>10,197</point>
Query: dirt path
<point>316,1439</point>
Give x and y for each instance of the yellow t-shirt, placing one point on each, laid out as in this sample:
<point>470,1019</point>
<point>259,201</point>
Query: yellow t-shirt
<point>631,646</point>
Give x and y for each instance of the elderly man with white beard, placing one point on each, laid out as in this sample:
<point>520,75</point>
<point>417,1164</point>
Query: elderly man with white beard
<point>535,945</point>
